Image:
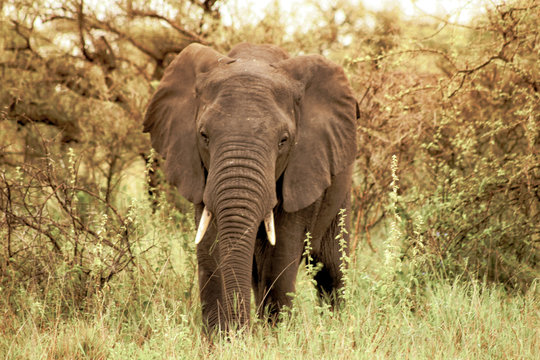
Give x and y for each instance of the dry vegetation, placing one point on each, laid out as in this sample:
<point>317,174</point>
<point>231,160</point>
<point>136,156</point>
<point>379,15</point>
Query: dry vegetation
<point>96,253</point>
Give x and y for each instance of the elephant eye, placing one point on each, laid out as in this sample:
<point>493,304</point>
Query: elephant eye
<point>204,137</point>
<point>283,140</point>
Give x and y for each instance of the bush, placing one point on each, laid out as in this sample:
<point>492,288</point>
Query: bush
<point>466,134</point>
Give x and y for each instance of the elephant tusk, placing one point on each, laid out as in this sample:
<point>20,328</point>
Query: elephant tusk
<point>203,225</point>
<point>270,230</point>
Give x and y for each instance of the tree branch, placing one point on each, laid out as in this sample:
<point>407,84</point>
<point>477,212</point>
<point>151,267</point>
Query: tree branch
<point>189,34</point>
<point>80,23</point>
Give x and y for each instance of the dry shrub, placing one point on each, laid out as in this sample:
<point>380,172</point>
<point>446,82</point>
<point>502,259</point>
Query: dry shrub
<point>391,122</point>
<point>60,234</point>
<point>467,137</point>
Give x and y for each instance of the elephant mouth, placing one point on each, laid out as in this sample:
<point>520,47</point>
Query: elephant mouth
<point>207,217</point>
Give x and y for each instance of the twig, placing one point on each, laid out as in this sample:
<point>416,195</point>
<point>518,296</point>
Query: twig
<point>189,34</point>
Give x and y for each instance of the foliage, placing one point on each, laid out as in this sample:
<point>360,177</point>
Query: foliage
<point>483,216</point>
<point>95,262</point>
<point>62,233</point>
<point>464,125</point>
<point>75,81</point>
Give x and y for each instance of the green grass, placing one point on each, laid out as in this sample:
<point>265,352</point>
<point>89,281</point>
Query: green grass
<point>153,312</point>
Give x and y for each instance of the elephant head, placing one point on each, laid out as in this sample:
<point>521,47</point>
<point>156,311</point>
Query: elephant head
<point>244,135</point>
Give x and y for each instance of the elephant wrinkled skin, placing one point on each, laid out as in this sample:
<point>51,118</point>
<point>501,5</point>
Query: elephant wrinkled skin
<point>257,135</point>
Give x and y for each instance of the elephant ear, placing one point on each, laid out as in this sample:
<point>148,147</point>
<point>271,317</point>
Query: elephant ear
<point>171,114</point>
<point>326,130</point>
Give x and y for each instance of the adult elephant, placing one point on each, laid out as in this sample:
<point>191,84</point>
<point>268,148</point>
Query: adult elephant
<point>263,145</point>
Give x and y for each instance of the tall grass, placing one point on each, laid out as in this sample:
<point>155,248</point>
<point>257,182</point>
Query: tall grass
<point>456,320</point>
<point>153,312</point>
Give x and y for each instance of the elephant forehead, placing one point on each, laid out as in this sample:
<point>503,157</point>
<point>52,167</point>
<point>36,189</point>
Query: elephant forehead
<point>242,66</point>
<point>256,116</point>
<point>246,74</point>
<point>235,115</point>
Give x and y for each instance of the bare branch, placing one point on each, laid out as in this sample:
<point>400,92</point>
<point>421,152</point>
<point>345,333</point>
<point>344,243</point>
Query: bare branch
<point>188,34</point>
<point>80,23</point>
<point>24,32</point>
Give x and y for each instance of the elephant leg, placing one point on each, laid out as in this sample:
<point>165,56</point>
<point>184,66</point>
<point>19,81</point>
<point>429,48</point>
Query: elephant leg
<point>330,278</point>
<point>209,289</point>
<point>275,267</point>
<point>209,277</point>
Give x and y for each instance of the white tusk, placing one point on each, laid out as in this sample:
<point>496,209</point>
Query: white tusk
<point>270,230</point>
<point>203,225</point>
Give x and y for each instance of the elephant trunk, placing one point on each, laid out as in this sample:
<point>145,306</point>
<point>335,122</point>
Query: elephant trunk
<point>240,192</point>
<point>235,245</point>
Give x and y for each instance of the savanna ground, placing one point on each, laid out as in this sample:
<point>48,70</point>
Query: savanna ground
<point>97,259</point>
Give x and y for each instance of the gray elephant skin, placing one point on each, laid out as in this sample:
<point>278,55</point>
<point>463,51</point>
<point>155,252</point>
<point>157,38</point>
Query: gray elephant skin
<point>263,145</point>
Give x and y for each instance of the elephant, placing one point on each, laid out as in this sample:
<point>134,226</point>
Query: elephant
<point>263,145</point>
